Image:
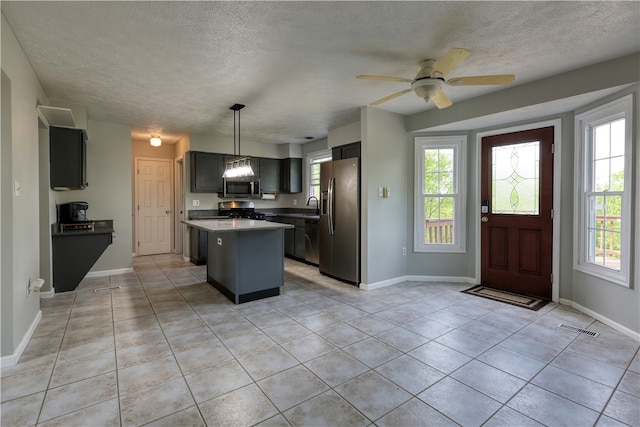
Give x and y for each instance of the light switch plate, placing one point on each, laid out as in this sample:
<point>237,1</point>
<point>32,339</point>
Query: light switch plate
<point>196,203</point>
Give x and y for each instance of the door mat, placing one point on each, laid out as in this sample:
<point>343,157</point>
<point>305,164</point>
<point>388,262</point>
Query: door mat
<point>524,301</point>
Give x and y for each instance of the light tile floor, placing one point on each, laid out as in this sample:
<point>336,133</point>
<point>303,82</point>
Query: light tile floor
<point>166,349</point>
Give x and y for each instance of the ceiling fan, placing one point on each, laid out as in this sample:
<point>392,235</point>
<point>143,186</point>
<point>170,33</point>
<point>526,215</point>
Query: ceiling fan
<point>429,82</point>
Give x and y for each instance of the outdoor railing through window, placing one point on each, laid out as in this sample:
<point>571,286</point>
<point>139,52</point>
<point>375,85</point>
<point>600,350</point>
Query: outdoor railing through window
<point>607,245</point>
<point>438,230</point>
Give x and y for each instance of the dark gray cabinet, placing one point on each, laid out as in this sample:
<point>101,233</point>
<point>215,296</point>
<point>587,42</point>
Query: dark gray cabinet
<point>276,175</point>
<point>198,246</point>
<point>291,175</point>
<point>206,172</point>
<point>347,151</point>
<point>269,175</point>
<point>67,158</point>
<point>74,253</point>
<point>294,238</point>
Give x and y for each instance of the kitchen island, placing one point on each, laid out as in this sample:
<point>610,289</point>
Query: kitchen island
<point>245,257</point>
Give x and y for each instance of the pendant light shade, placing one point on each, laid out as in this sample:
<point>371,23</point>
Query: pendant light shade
<point>237,168</point>
<point>241,166</point>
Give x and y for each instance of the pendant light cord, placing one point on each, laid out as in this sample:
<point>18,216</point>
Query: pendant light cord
<point>236,109</point>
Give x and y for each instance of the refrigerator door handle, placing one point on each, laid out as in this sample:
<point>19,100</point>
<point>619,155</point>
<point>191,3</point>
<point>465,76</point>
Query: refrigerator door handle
<point>331,207</point>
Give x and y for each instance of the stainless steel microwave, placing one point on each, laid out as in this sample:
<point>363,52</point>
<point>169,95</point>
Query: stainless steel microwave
<point>247,187</point>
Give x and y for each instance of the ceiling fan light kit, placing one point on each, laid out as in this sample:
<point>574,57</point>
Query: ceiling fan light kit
<point>427,87</point>
<point>429,82</point>
<point>155,141</point>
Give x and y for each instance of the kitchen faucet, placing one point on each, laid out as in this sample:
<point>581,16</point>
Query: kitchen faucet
<point>317,203</point>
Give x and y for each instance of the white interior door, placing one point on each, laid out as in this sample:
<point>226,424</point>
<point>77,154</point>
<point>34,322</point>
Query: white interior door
<point>154,206</point>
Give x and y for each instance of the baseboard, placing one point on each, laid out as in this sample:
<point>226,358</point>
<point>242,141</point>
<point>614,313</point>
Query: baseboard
<point>454,279</point>
<point>395,280</point>
<point>612,324</point>
<point>186,259</point>
<point>47,294</point>
<point>382,284</point>
<point>109,272</point>
<point>12,359</point>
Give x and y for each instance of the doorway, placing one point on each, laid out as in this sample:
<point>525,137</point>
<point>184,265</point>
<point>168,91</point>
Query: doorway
<point>517,211</point>
<point>153,206</point>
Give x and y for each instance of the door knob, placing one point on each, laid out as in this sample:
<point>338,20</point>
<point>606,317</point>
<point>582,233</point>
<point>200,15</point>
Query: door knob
<point>167,212</point>
<point>484,219</point>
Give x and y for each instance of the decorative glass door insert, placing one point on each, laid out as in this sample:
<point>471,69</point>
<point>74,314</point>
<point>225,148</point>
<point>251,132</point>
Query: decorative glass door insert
<point>515,179</point>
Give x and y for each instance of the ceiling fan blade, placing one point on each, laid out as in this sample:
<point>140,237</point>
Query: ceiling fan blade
<point>387,78</point>
<point>449,61</point>
<point>390,97</point>
<point>498,79</point>
<point>441,100</point>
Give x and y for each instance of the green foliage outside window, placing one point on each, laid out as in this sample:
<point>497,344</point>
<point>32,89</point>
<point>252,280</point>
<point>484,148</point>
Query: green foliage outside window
<point>439,189</point>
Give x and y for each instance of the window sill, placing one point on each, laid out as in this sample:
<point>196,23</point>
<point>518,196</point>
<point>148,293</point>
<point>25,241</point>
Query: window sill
<point>603,273</point>
<point>446,249</point>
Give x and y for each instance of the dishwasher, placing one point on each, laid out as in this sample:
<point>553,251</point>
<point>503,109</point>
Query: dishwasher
<point>311,243</point>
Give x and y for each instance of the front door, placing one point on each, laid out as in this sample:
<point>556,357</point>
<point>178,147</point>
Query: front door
<point>154,206</point>
<point>516,211</point>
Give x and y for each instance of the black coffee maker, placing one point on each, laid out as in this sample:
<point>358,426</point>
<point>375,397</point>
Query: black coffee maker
<point>72,212</point>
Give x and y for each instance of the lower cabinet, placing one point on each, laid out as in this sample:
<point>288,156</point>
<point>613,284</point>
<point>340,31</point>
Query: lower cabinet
<point>198,246</point>
<point>294,238</point>
<point>73,255</point>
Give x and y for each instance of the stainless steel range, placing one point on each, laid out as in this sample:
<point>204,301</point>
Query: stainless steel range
<point>239,209</point>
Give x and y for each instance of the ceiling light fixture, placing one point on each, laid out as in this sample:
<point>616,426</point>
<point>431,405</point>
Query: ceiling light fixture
<point>241,166</point>
<point>155,141</point>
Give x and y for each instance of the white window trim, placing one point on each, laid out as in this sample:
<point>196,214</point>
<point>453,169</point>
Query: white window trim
<point>622,107</point>
<point>459,143</point>
<point>310,157</point>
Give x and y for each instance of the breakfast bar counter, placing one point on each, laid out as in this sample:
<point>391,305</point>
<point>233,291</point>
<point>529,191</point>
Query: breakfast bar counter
<point>245,257</point>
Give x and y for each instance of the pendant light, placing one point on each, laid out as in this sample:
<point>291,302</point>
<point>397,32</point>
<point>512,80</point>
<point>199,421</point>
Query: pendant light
<point>240,166</point>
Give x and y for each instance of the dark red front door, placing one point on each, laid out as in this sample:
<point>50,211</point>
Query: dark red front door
<point>517,202</point>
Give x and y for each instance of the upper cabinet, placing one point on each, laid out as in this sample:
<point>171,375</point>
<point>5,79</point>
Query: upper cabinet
<point>269,175</point>
<point>276,175</point>
<point>291,175</point>
<point>206,172</point>
<point>346,151</point>
<point>67,158</point>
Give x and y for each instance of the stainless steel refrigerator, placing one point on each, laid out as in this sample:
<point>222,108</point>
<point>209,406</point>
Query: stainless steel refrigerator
<point>339,226</point>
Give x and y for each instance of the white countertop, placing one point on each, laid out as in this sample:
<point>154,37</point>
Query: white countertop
<point>227,225</point>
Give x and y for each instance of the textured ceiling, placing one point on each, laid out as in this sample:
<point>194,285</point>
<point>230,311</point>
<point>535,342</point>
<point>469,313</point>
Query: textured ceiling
<point>176,67</point>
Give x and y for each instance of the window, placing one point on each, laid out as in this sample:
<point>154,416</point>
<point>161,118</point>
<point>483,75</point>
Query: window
<point>314,171</point>
<point>440,194</point>
<point>603,205</point>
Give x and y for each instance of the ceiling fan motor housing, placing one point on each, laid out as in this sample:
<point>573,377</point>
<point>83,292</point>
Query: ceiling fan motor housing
<point>427,87</point>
